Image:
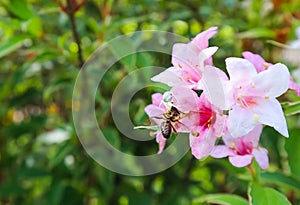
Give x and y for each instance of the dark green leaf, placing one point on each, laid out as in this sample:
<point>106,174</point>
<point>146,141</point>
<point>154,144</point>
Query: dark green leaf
<point>281,179</point>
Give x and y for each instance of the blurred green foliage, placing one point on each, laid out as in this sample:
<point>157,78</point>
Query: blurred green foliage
<point>41,159</point>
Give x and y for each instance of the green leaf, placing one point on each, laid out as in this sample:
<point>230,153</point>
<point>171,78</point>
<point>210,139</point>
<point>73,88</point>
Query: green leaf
<point>292,148</point>
<point>257,33</point>
<point>20,8</point>
<point>292,108</point>
<point>34,26</point>
<point>267,196</point>
<point>10,46</point>
<point>281,179</point>
<point>223,199</point>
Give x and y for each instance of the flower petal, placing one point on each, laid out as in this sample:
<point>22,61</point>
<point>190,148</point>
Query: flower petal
<point>184,98</point>
<point>154,112</point>
<point>202,145</point>
<point>217,90</point>
<point>254,135</point>
<point>240,70</point>
<point>269,112</point>
<point>294,86</point>
<point>240,121</point>
<point>261,156</point>
<point>205,56</point>
<point>185,56</point>
<point>274,81</point>
<point>258,62</point>
<point>161,142</point>
<point>168,77</point>
<point>156,99</point>
<point>201,40</point>
<point>240,160</point>
<point>221,151</point>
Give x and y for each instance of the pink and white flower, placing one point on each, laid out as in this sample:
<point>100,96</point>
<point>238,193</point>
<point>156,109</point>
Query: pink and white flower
<point>242,150</point>
<point>260,65</point>
<point>249,96</point>
<point>206,123</point>
<point>189,61</point>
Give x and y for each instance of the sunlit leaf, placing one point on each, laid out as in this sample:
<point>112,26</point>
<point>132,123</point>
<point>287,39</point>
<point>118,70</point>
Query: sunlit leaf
<point>267,196</point>
<point>21,9</point>
<point>257,33</point>
<point>222,199</point>
<point>12,45</point>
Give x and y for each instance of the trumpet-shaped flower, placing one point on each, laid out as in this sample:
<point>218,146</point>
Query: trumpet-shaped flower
<point>206,123</point>
<point>260,65</point>
<point>249,96</point>
<point>188,61</point>
<point>242,150</point>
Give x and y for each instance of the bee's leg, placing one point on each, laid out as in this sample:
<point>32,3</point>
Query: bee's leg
<point>174,130</point>
<point>156,117</point>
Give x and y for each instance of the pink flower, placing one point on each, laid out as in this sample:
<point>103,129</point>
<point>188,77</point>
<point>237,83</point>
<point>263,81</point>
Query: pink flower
<point>188,61</point>
<point>260,65</point>
<point>206,123</point>
<point>249,96</point>
<point>242,150</point>
<point>182,98</point>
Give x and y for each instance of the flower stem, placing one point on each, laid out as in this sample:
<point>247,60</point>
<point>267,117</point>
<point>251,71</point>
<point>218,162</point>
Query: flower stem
<point>252,172</point>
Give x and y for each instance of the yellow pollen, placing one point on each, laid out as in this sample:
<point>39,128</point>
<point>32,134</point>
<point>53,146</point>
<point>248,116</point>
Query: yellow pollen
<point>196,134</point>
<point>267,97</point>
<point>265,64</point>
<point>179,65</point>
<point>256,117</point>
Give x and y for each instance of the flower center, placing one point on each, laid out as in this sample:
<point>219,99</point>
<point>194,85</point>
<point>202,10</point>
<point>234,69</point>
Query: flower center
<point>207,117</point>
<point>243,148</point>
<point>246,101</point>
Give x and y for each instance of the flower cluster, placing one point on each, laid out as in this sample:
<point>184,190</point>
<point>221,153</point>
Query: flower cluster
<point>232,108</point>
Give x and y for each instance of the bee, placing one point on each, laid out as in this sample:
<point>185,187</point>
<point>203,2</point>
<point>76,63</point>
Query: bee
<point>170,116</point>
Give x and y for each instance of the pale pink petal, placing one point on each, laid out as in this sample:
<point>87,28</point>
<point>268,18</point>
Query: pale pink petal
<point>294,86</point>
<point>191,120</point>
<point>217,90</point>
<point>221,151</point>
<point>240,70</point>
<point>161,142</point>
<point>254,135</point>
<point>261,156</point>
<point>220,125</point>
<point>269,112</point>
<point>156,99</point>
<point>258,62</point>
<point>185,56</point>
<point>202,145</point>
<point>228,139</point>
<point>201,40</point>
<point>168,77</point>
<point>184,98</point>
<point>240,160</point>
<point>274,81</point>
<point>154,112</point>
<point>205,55</point>
<point>240,121</point>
